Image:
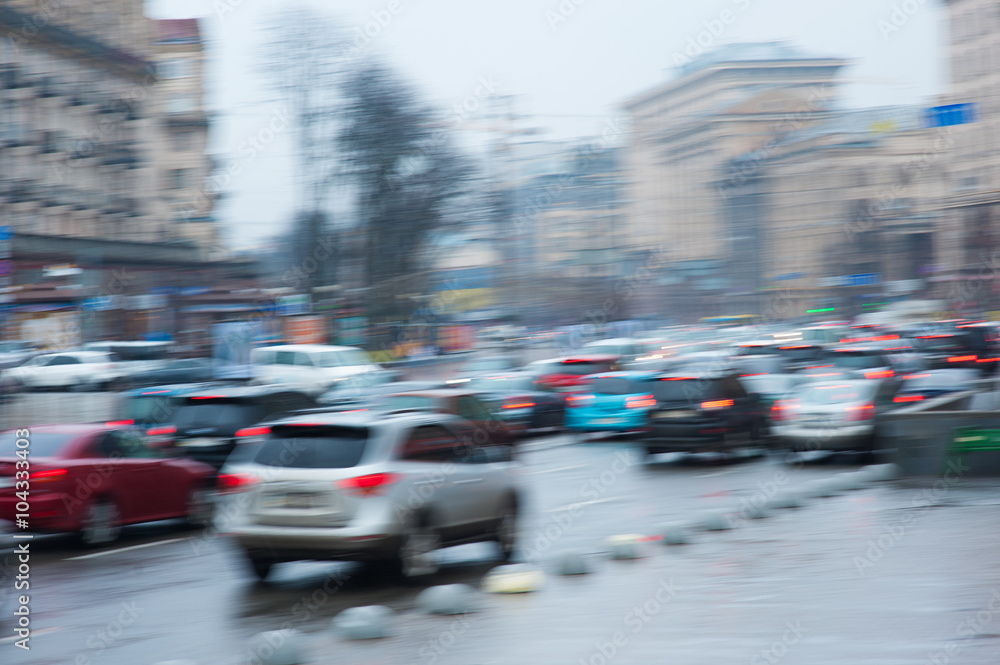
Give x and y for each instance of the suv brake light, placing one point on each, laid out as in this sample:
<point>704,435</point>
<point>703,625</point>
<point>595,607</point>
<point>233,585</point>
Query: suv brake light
<point>229,483</point>
<point>908,398</point>
<point>963,359</point>
<point>781,410</point>
<point>574,400</point>
<point>862,412</point>
<point>717,404</point>
<point>643,402</point>
<point>880,374</point>
<point>162,431</point>
<point>373,483</point>
<point>253,431</point>
<point>48,475</point>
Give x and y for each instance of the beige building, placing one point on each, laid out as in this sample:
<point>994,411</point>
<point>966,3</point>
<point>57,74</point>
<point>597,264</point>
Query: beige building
<point>971,203</point>
<point>84,124</point>
<point>843,214</point>
<point>737,99</point>
<point>185,167</point>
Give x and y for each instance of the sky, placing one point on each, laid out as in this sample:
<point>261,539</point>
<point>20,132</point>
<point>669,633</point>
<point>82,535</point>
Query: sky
<point>568,63</point>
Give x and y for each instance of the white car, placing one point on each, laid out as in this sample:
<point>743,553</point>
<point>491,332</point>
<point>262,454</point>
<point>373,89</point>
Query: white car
<point>82,370</point>
<point>311,368</point>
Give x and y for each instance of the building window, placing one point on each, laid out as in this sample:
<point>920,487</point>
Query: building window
<point>183,140</point>
<point>175,69</point>
<point>180,104</point>
<point>180,178</point>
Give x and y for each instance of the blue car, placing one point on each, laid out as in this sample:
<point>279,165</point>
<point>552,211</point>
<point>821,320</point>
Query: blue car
<point>614,401</point>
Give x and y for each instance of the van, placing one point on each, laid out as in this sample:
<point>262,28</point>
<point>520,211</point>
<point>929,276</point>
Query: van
<point>312,368</point>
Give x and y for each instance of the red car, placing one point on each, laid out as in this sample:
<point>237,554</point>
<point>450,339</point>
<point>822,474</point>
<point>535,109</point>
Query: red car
<point>566,374</point>
<point>93,479</point>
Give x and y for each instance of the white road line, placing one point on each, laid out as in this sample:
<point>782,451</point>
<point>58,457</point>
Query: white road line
<point>716,473</point>
<point>125,549</point>
<point>561,468</point>
<point>581,504</point>
<point>34,633</point>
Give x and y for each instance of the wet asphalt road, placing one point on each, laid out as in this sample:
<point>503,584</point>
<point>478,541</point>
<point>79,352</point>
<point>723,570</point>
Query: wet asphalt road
<point>889,574</point>
<point>818,584</point>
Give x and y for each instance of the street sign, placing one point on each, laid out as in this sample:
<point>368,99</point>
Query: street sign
<point>951,114</point>
<point>6,233</point>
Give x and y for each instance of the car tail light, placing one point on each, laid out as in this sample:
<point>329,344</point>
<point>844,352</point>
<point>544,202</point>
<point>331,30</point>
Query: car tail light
<point>643,402</point>
<point>862,412</point>
<point>253,431</point>
<point>373,483</point>
<point>230,483</point>
<point>518,405</point>
<point>782,410</point>
<point>210,397</point>
<point>987,360</point>
<point>119,423</point>
<point>908,398</point>
<point>48,475</point>
<point>717,404</point>
<point>162,431</point>
<point>963,359</point>
<point>577,400</point>
<point>880,374</point>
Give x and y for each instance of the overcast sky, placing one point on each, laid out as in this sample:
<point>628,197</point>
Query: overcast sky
<point>570,63</point>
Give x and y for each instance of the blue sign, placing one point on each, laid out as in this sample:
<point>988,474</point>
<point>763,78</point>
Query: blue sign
<point>950,114</point>
<point>194,290</point>
<point>98,304</point>
<point>862,279</point>
<point>6,233</point>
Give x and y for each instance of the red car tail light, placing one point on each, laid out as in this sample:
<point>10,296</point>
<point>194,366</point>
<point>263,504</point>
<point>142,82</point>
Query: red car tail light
<point>782,410</point>
<point>576,400</point>
<point>862,412</point>
<point>880,374</point>
<point>963,359</point>
<point>519,405</point>
<point>230,483</point>
<point>253,431</point>
<point>717,404</point>
<point>162,431</point>
<point>373,483</point>
<point>643,402</point>
<point>48,475</point>
<point>119,423</point>
<point>908,398</point>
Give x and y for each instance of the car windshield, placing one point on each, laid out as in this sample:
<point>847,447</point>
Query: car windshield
<point>941,344</point>
<point>856,360</point>
<point>769,384</point>
<point>502,383</point>
<point>949,379</point>
<point>686,389</point>
<point>616,385</point>
<point>605,349</point>
<point>487,364</point>
<point>41,444</point>
<point>344,358</point>
<point>224,416</point>
<point>839,393</point>
<point>573,367</point>
<point>407,402</point>
<point>313,448</point>
<point>798,352</point>
<point>149,409</point>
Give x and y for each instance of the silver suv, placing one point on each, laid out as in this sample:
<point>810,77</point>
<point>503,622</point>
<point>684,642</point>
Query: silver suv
<point>367,486</point>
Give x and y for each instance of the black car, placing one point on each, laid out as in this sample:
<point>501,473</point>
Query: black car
<point>947,351</point>
<point>704,412</point>
<point>934,383</point>
<point>205,422</point>
<point>983,339</point>
<point>519,404</point>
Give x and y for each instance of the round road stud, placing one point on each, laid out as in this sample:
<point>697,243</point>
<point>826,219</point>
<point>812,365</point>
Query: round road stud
<point>784,500</point>
<point>369,622</point>
<point>714,520</point>
<point>278,647</point>
<point>878,472</point>
<point>675,534</point>
<point>626,546</point>
<point>513,578</point>
<point>448,599</point>
<point>573,563</point>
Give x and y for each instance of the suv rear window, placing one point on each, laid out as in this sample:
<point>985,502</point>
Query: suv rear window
<point>225,416</point>
<point>687,390</point>
<point>313,448</point>
<point>857,360</point>
<point>614,385</point>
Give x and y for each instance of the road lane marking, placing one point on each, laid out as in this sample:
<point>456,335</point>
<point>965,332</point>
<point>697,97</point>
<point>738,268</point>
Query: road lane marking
<point>34,633</point>
<point>716,473</point>
<point>125,549</point>
<point>581,504</point>
<point>561,468</point>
